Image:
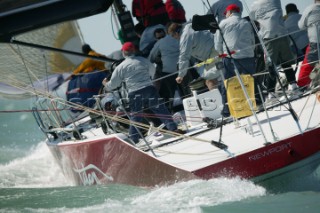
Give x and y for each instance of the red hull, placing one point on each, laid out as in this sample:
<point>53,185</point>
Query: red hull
<point>112,160</point>
<point>267,159</point>
<point>115,158</point>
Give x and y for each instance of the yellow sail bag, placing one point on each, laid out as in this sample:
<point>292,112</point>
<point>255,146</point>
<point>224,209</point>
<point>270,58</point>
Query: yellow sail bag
<point>238,104</point>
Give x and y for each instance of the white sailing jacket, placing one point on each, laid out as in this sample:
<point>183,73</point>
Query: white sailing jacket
<point>309,20</point>
<point>197,44</point>
<point>269,14</point>
<point>135,71</point>
<point>239,36</point>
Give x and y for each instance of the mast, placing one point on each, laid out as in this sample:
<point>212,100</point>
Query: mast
<point>119,6</point>
<point>126,22</point>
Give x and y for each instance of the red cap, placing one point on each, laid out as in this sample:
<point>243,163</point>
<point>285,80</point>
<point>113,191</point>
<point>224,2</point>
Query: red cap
<point>128,46</point>
<point>233,7</point>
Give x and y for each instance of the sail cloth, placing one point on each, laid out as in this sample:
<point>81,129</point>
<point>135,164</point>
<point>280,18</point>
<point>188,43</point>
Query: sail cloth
<point>238,104</point>
<point>41,22</point>
<point>24,67</point>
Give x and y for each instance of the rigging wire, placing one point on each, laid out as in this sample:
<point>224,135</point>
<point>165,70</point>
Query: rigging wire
<point>111,117</point>
<point>191,153</point>
<point>46,68</point>
<point>160,149</point>
<point>205,7</point>
<point>263,73</point>
<point>26,67</point>
<point>257,74</point>
<point>30,76</point>
<point>123,120</point>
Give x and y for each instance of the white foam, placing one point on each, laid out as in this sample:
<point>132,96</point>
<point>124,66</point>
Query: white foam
<point>188,196</point>
<point>182,197</point>
<point>37,169</point>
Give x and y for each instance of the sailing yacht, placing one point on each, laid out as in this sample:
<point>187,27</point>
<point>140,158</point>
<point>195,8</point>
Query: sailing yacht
<point>93,147</point>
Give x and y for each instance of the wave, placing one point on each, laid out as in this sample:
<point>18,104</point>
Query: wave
<point>190,196</point>
<point>36,169</point>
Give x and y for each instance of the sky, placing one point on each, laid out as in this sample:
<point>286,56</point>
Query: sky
<point>99,32</point>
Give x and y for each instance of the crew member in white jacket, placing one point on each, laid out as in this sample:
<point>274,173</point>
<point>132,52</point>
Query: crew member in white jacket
<point>239,36</point>
<point>136,72</point>
<point>199,45</point>
<point>273,32</point>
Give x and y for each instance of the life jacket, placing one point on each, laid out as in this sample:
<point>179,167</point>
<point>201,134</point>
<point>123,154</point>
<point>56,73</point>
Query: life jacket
<point>150,12</point>
<point>89,64</point>
<point>175,11</point>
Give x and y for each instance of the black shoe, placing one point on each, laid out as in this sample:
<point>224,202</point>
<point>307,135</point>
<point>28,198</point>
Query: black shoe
<point>179,131</point>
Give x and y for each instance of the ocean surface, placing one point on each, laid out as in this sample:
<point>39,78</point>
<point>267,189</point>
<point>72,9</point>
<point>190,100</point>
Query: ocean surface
<point>31,181</point>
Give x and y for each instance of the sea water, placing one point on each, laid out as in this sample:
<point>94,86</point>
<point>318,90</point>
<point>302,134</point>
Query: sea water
<point>31,181</point>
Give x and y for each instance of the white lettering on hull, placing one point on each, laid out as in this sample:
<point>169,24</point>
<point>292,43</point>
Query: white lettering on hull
<point>90,178</point>
<point>271,151</point>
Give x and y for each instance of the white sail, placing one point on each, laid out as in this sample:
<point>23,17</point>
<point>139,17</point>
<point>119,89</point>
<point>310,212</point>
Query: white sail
<point>26,66</point>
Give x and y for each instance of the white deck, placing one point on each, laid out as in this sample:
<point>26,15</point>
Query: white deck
<point>191,154</point>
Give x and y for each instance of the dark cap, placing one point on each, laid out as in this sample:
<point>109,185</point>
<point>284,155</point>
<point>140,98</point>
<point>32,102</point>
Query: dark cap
<point>86,48</point>
<point>291,8</point>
